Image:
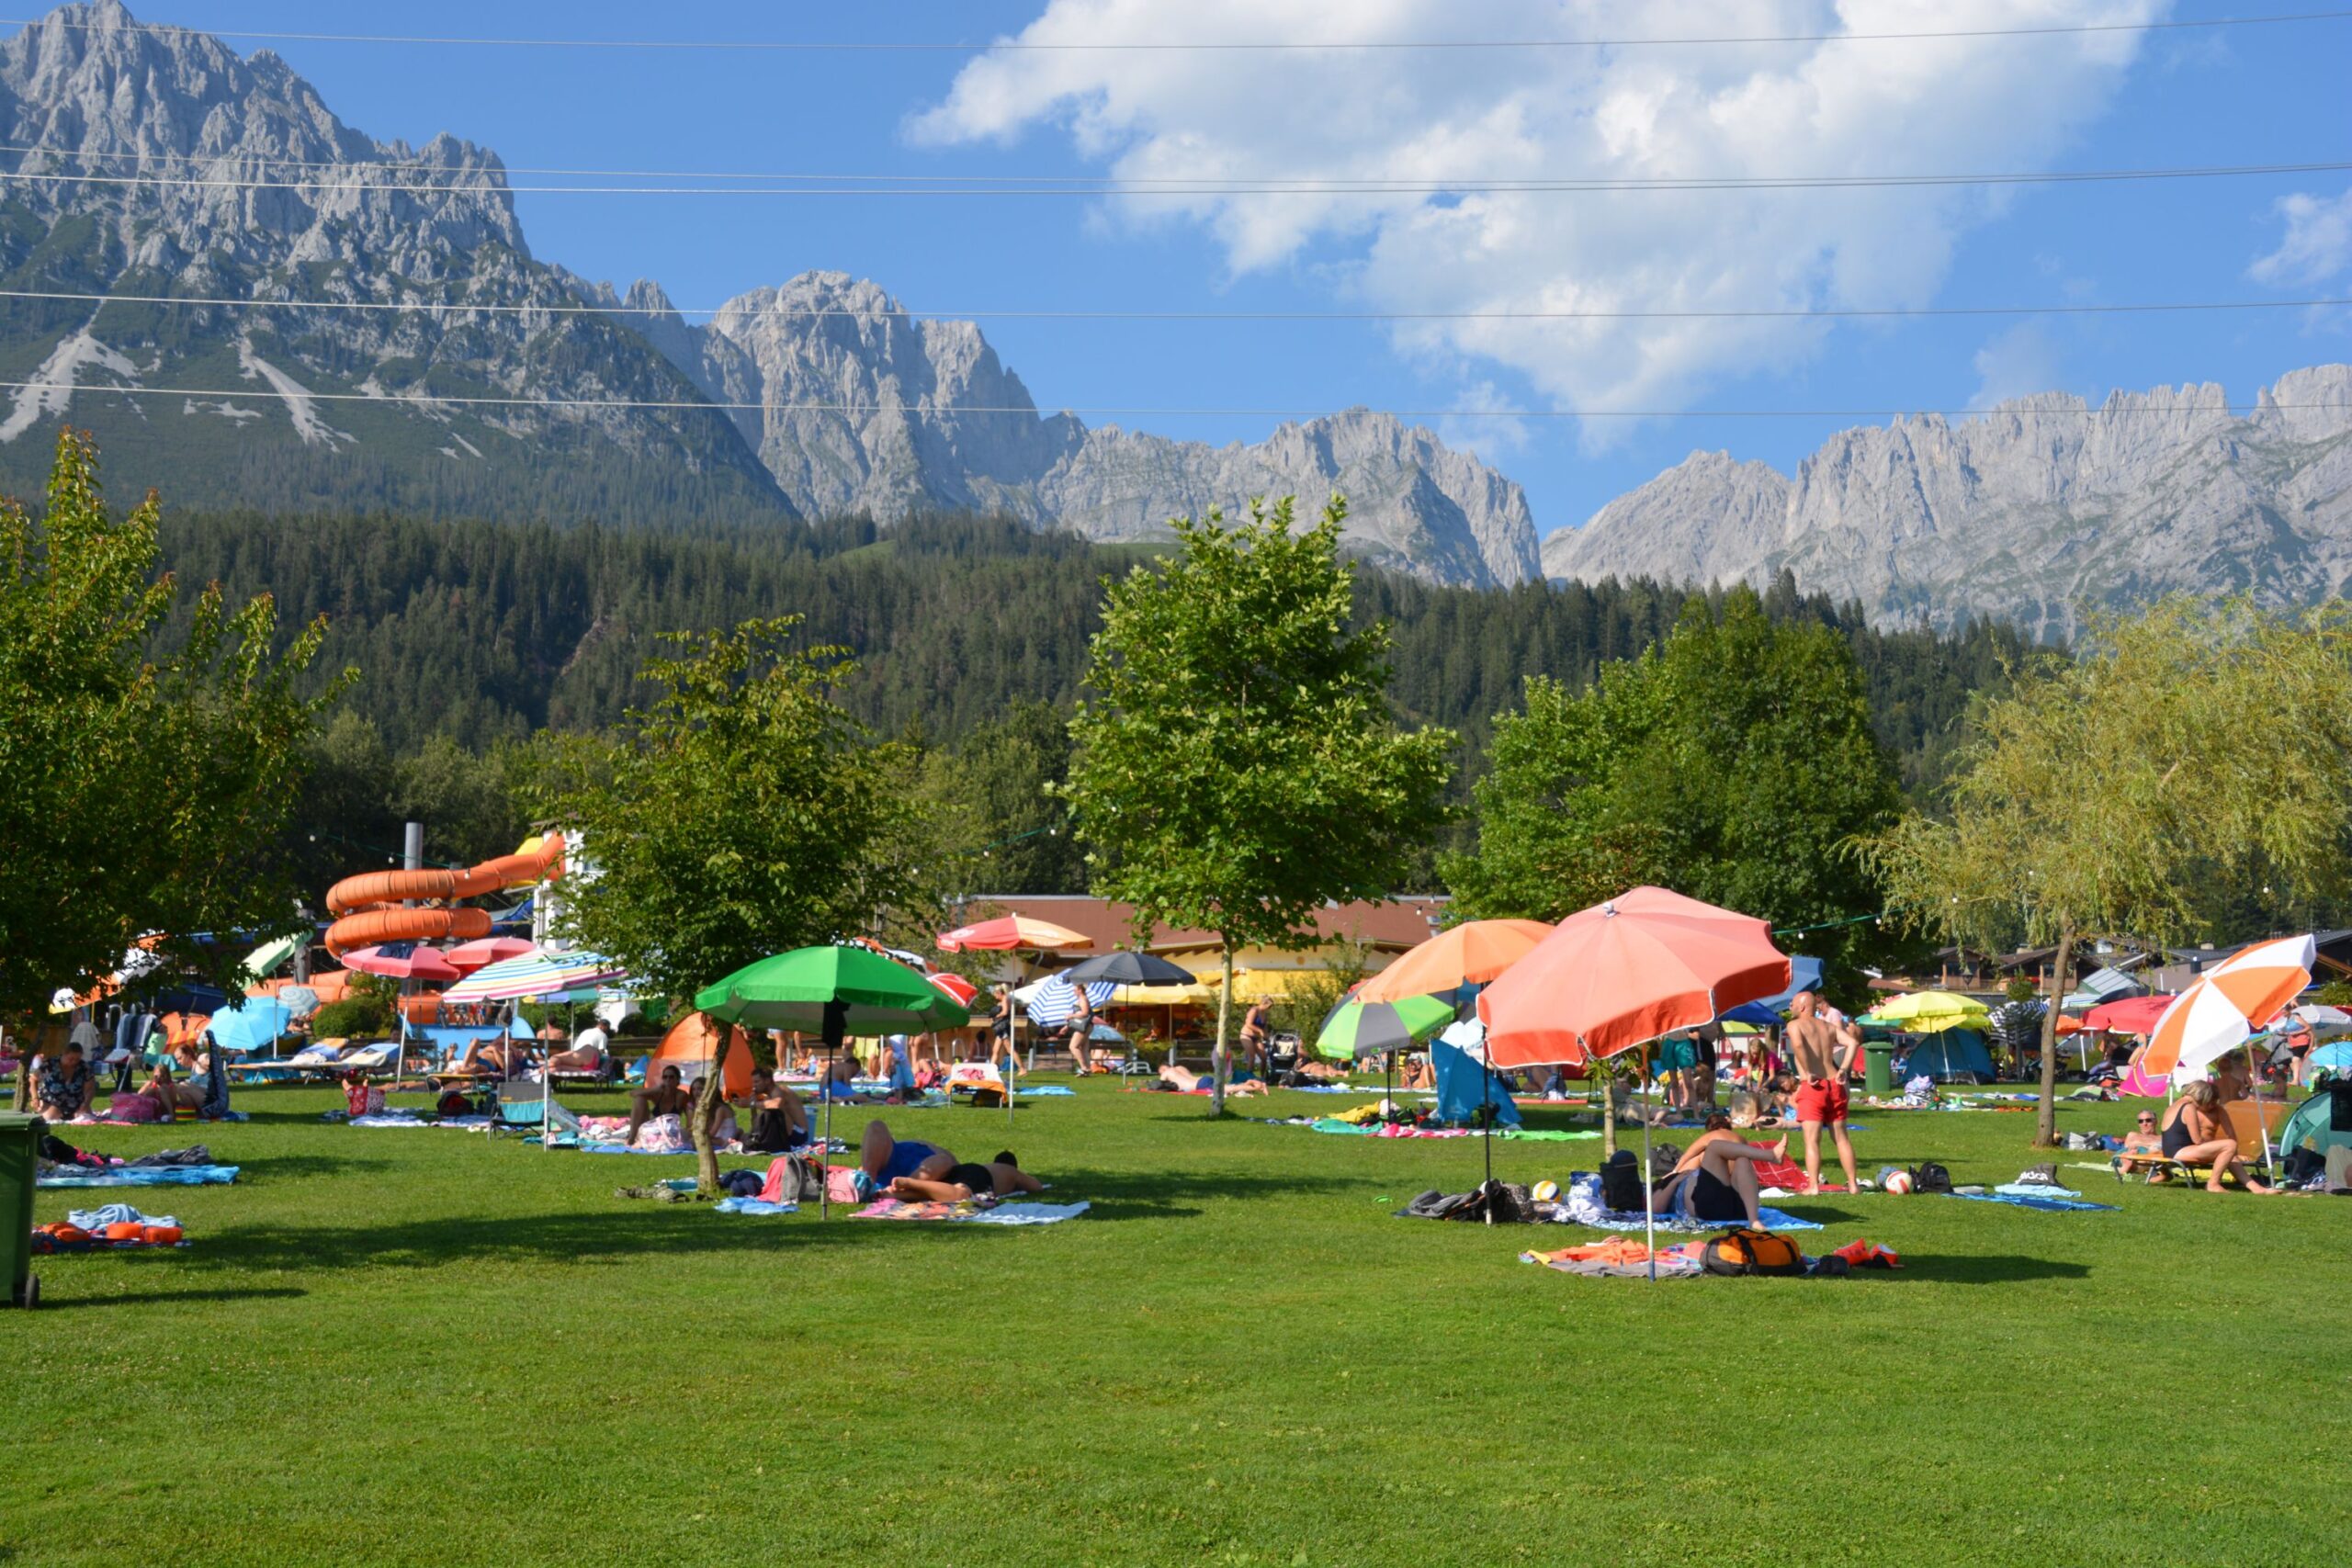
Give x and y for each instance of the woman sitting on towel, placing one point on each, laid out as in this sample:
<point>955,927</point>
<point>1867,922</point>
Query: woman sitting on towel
<point>2197,1133</point>
<point>1000,1177</point>
<point>204,1078</point>
<point>1715,1179</point>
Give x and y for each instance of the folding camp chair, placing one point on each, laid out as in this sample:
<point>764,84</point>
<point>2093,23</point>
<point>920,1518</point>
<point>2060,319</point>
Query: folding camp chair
<point>521,1107</point>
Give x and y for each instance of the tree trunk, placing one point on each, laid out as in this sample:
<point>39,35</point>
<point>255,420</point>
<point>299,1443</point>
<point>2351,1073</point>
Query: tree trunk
<point>703,1120</point>
<point>1608,1082</point>
<point>1217,1058</point>
<point>2045,1122</point>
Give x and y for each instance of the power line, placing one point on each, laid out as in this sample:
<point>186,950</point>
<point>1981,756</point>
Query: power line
<point>659,405</point>
<point>1023,45</point>
<point>1129,187</point>
<point>449,306</point>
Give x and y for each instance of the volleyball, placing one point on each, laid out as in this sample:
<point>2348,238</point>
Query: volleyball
<point>1899,1182</point>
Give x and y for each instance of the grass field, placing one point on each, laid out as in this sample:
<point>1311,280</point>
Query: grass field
<point>426,1347</point>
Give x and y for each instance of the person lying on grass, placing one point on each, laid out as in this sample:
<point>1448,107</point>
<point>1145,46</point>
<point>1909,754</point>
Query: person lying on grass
<point>2196,1132</point>
<point>883,1158</point>
<point>1189,1081</point>
<point>1001,1177</point>
<point>1715,1179</point>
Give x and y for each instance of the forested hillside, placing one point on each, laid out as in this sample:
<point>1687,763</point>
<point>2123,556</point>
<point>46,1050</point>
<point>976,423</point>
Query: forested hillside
<point>481,633</point>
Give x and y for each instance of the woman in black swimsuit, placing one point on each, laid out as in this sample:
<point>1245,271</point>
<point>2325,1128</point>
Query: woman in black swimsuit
<point>2196,1132</point>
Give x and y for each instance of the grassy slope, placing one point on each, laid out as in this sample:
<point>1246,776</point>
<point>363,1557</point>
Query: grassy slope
<point>420,1346</point>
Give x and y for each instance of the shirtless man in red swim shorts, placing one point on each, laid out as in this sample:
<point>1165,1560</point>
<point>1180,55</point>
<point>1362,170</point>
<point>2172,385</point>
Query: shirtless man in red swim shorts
<point>1821,1049</point>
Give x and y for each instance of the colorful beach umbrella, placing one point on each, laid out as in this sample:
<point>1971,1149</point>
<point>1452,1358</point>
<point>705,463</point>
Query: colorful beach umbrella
<point>1360,1029</point>
<point>2132,1015</point>
<point>874,995</point>
<point>480,953</point>
<point>539,975</point>
<point>1051,1001</point>
<point>416,964</point>
<point>2242,993</point>
<point>1472,953</point>
<point>1012,933</point>
<point>1623,973</point>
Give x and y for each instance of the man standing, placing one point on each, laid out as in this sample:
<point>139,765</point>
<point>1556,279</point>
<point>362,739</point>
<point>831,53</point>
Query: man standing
<point>1821,1048</point>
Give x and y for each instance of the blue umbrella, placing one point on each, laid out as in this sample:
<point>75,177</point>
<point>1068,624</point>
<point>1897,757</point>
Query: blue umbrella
<point>1805,975</point>
<point>254,1025</point>
<point>299,1000</point>
<point>1057,999</point>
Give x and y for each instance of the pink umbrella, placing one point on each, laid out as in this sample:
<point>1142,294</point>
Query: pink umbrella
<point>421,963</point>
<point>469,956</point>
<point>2132,1015</point>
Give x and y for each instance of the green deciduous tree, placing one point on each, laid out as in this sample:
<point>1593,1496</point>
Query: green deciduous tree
<point>1000,815</point>
<point>1732,762</point>
<point>138,792</point>
<point>2100,797</point>
<point>1237,765</point>
<point>742,813</point>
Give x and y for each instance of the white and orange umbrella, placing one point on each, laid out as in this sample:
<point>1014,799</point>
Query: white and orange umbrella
<point>2242,994</point>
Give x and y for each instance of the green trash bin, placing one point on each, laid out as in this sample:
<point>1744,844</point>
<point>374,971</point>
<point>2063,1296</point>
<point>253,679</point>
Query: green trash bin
<point>1878,1069</point>
<point>19,1148</point>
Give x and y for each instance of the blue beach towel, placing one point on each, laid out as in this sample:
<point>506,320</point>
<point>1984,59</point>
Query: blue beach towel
<point>157,1176</point>
<point>2047,1205</point>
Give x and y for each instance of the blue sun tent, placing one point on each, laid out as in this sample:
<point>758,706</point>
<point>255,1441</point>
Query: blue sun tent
<point>1953,1053</point>
<point>1459,1091</point>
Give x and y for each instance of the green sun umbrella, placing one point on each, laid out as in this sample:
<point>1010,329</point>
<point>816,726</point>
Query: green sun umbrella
<point>1368,1029</point>
<point>872,994</point>
<point>835,992</point>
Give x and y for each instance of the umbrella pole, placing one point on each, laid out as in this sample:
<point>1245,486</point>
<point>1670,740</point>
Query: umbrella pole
<point>1649,1201</point>
<point>824,1152</point>
<point>1486,1137</point>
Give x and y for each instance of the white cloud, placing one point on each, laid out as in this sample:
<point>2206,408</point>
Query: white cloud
<point>2317,244</point>
<point>1486,428</point>
<point>2020,363</point>
<point>1941,105</point>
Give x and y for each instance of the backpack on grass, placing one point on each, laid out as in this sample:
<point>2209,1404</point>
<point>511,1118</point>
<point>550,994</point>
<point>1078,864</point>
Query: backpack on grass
<point>1750,1251</point>
<point>1932,1177</point>
<point>1621,1182</point>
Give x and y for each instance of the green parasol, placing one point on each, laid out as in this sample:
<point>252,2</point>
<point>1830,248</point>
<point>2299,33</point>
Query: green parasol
<point>1368,1029</point>
<point>835,992</point>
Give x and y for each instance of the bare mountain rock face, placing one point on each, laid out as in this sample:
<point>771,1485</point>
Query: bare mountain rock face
<point>864,408</point>
<point>2031,512</point>
<point>174,168</point>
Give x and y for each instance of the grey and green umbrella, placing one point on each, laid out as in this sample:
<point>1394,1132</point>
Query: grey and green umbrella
<point>1368,1029</point>
<point>835,992</point>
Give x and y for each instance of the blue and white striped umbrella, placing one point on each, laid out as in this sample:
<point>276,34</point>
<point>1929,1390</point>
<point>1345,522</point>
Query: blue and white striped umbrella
<point>536,975</point>
<point>1052,1001</point>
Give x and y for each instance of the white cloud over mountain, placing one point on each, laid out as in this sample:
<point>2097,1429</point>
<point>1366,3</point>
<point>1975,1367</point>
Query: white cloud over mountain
<point>1975,104</point>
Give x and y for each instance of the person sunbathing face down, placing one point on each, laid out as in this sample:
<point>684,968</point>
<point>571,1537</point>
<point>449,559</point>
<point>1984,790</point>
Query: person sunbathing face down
<point>999,1178</point>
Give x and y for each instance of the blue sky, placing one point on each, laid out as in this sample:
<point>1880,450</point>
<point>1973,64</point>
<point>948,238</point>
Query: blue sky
<point>2244,95</point>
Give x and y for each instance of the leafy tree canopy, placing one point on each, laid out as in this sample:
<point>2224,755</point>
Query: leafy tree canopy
<point>1732,762</point>
<point>138,793</point>
<point>1237,765</point>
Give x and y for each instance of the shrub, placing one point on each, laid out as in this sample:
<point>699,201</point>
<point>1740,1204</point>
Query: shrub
<point>356,1017</point>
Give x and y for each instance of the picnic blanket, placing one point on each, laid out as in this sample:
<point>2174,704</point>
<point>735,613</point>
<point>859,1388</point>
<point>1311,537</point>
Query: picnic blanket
<point>1044,1091</point>
<point>1622,1260</point>
<point>972,1214</point>
<point>2017,1200</point>
<point>1634,1220</point>
<point>752,1206</point>
<point>145,1176</point>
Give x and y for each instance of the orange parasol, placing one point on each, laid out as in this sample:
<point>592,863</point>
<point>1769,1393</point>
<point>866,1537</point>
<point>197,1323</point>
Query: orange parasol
<point>1469,954</point>
<point>2218,1014</point>
<point>1621,974</point>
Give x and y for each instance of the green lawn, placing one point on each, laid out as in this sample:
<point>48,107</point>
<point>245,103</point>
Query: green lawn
<point>425,1346</point>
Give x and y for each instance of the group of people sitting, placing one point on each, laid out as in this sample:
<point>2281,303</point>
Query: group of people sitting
<point>2194,1130</point>
<point>189,1083</point>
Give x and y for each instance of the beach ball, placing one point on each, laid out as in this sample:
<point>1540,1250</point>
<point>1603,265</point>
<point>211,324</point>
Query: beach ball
<point>1900,1182</point>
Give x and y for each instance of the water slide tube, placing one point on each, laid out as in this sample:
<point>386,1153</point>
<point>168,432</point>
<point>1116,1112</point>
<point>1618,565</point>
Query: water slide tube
<point>371,905</point>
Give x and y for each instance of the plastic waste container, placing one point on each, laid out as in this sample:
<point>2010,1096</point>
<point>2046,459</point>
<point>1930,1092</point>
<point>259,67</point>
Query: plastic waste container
<point>1878,1070</point>
<point>19,1148</point>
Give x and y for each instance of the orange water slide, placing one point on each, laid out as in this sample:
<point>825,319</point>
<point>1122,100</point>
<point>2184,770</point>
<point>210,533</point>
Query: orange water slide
<point>371,904</point>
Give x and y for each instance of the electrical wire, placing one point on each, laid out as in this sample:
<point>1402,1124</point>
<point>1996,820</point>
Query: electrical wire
<point>1025,46</point>
<point>1134,188</point>
<point>459,307</point>
<point>662,405</point>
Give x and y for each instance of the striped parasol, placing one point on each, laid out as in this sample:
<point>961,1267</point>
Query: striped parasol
<point>536,975</point>
<point>1051,1001</point>
<point>2242,993</point>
